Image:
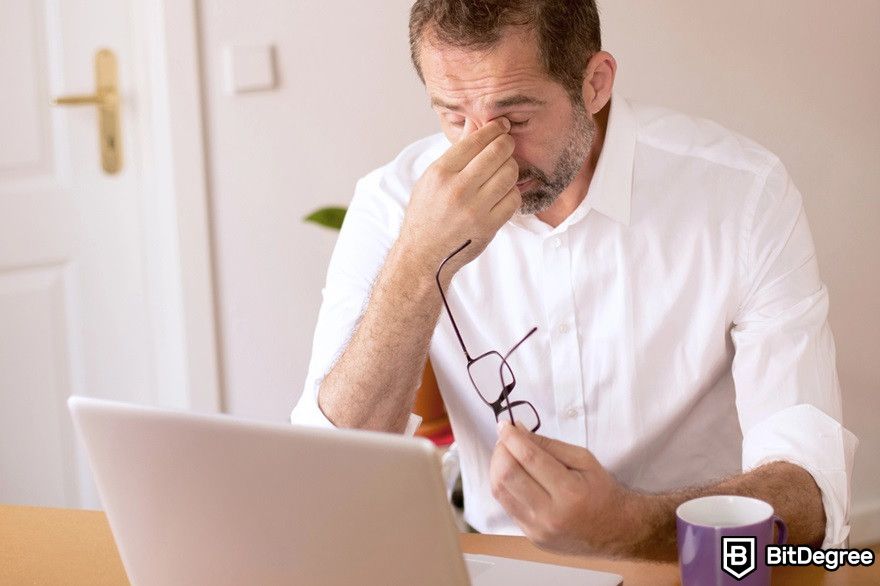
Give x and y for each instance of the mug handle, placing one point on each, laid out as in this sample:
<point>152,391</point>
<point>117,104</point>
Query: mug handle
<point>781,530</point>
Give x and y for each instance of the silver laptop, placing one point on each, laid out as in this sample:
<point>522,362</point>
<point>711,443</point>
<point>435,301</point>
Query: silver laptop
<point>210,499</point>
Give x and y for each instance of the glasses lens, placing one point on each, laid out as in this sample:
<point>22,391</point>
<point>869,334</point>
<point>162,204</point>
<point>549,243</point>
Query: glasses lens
<point>523,412</point>
<point>490,374</point>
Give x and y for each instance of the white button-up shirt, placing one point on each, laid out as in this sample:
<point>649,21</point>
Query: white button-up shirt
<point>682,325</point>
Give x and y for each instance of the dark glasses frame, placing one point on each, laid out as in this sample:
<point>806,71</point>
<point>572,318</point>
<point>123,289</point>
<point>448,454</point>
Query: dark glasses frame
<point>502,403</point>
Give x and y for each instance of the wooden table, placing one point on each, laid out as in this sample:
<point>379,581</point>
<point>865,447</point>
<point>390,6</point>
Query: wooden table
<point>72,547</point>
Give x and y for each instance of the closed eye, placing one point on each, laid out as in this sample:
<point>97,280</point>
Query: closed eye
<point>460,123</point>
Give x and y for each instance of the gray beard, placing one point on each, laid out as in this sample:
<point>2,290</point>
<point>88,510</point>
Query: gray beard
<point>547,188</point>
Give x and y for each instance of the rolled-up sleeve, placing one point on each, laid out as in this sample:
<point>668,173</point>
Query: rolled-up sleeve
<point>787,390</point>
<point>371,225</point>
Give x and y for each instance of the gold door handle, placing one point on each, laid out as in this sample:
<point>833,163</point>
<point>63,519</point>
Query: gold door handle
<point>106,98</point>
<point>92,100</point>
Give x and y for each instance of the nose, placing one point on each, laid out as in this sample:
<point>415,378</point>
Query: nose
<point>472,124</point>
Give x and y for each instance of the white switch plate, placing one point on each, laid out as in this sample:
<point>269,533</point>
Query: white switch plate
<point>249,68</point>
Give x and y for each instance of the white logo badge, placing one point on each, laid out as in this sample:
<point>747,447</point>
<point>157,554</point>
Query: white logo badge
<point>738,556</point>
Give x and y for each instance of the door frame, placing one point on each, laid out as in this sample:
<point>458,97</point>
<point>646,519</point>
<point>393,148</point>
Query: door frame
<point>177,227</point>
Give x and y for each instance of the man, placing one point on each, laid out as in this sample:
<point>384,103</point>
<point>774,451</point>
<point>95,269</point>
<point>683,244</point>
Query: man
<point>681,348</point>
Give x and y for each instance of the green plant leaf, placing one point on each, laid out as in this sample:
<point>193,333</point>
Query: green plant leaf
<point>328,217</point>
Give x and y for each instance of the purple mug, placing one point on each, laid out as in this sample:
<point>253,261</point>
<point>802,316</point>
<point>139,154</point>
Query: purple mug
<point>723,540</point>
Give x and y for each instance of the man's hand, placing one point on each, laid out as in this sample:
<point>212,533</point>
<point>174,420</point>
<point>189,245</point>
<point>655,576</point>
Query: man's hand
<point>559,494</point>
<point>565,501</point>
<point>468,193</point>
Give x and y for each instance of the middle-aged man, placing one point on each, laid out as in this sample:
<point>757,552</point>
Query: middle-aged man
<point>682,346</point>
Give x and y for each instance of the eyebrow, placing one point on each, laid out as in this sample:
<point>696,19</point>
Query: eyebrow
<point>519,100</point>
<point>515,100</point>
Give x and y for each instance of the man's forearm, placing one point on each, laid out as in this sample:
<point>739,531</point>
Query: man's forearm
<point>374,382</point>
<point>465,195</point>
<point>789,489</point>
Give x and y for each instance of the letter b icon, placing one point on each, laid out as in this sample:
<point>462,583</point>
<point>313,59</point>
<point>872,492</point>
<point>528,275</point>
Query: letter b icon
<point>738,556</point>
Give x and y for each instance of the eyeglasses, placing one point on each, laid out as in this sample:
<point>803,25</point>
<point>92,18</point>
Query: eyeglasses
<point>482,371</point>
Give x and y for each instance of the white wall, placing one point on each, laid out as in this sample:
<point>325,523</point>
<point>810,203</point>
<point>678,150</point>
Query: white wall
<point>347,102</point>
<point>799,76</point>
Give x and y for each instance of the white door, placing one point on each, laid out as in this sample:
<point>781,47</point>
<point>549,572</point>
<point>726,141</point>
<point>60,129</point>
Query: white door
<point>74,291</point>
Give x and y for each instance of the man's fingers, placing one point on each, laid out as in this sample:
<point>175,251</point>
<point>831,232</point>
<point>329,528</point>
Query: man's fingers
<point>506,206</point>
<point>521,513</point>
<point>497,186</point>
<point>540,464</point>
<point>569,455</point>
<point>488,162</point>
<point>505,472</point>
<point>469,145</point>
<point>466,129</point>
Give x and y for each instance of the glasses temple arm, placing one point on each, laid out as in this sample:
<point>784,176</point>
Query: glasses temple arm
<point>446,304</point>
<point>526,337</point>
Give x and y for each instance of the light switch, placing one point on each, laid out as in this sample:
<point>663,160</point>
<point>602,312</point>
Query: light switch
<point>249,68</point>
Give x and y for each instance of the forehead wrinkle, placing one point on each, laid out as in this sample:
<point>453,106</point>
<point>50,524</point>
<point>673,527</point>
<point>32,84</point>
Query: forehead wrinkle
<point>454,77</point>
<point>504,61</point>
<point>483,93</point>
<point>468,78</point>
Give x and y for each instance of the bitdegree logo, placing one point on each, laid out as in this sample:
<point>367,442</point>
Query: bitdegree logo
<point>830,559</point>
<point>738,556</point>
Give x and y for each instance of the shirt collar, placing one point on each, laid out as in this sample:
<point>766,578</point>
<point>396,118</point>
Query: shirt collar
<point>611,195</point>
<point>610,190</point>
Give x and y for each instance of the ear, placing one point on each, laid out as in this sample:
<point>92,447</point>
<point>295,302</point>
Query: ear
<point>598,81</point>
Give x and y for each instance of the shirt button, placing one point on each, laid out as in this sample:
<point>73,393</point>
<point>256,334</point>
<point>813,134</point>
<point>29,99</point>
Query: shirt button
<point>557,243</point>
<point>572,413</point>
<point>563,329</point>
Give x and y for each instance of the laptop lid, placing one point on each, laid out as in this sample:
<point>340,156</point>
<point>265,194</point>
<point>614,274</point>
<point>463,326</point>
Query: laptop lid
<point>209,499</point>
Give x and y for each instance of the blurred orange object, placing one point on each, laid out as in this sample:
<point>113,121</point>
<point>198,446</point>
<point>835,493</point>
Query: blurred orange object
<point>429,406</point>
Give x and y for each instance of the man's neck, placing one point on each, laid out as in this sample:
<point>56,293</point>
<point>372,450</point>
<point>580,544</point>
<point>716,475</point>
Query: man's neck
<point>575,193</point>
